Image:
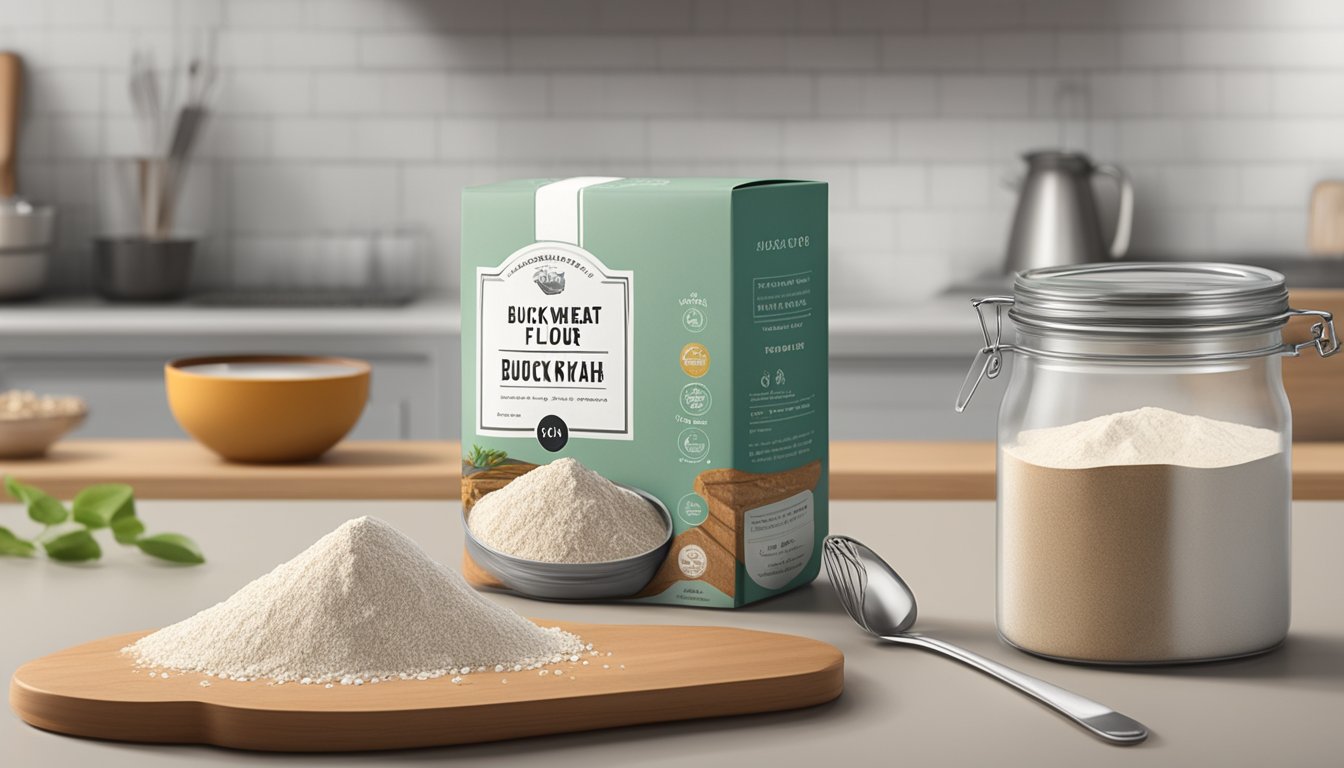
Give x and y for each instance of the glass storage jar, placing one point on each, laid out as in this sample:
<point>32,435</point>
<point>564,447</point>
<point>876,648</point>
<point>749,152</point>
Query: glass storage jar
<point>1144,477</point>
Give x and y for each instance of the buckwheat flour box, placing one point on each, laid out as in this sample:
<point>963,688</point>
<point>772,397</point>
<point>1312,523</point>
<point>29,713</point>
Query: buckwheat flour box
<point>664,335</point>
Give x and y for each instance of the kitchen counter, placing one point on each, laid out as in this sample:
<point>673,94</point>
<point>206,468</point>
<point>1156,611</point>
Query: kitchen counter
<point>900,705</point>
<point>429,469</point>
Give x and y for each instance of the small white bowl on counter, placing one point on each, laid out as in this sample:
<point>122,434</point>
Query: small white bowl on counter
<point>30,423</point>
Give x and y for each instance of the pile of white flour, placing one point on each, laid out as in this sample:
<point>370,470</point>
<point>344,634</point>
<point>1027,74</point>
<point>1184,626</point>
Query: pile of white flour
<point>1145,436</point>
<point>361,604</point>
<point>563,512</point>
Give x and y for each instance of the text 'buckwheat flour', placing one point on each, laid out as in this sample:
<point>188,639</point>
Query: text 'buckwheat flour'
<point>363,603</point>
<point>563,512</point>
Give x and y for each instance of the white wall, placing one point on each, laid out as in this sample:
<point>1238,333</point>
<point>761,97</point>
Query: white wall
<point>348,115</point>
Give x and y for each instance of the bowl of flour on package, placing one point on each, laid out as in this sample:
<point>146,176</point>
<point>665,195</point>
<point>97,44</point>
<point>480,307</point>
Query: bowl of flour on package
<point>561,531</point>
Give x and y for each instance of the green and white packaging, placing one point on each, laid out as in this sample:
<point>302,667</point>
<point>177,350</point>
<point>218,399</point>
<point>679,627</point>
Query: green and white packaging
<point>671,335</point>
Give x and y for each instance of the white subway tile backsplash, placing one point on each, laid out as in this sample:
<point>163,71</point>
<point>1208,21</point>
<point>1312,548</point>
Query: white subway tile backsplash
<point>266,198</point>
<point>1264,49</point>
<point>1284,185</point>
<point>974,14</point>
<point>1018,51</point>
<point>305,138</point>
<point>960,185</point>
<point>944,140</point>
<point>715,139</point>
<point>877,95</point>
<point>1244,93</point>
<point>571,139</point>
<point>1149,50</point>
<point>1226,111</point>
<point>1190,93</point>
<point>473,139</point>
<point>753,52</point>
<point>142,13</point>
<point>931,53</point>
<point>1129,94</point>
<point>1069,14</point>
<point>559,52</point>
<point>880,15</point>
<point>265,14</point>
<point>312,50</point>
<point>356,15</point>
<point>1300,93</point>
<point>839,139</point>
<point>69,13</point>
<point>395,139</point>
<point>1088,50</point>
<point>347,93</point>
<point>398,50</point>
<point>253,92</point>
<point>890,185</point>
<point>832,52</point>
<point>984,96</point>
<point>863,231</point>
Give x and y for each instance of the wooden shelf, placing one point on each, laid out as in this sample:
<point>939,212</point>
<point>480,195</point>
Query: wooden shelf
<point>179,469</point>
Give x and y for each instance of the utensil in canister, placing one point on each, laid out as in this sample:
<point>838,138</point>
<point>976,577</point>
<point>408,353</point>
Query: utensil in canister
<point>1056,222</point>
<point>26,229</point>
<point>878,599</point>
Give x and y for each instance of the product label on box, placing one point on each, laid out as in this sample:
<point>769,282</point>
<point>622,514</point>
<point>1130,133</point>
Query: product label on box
<point>777,540</point>
<point>554,346</point>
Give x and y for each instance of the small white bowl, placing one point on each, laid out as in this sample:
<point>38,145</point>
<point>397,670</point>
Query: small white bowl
<point>31,437</point>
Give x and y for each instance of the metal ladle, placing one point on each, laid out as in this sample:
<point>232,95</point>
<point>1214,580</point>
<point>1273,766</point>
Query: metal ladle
<point>880,602</point>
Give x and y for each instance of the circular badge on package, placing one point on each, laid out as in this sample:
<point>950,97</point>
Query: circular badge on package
<point>692,561</point>
<point>695,360</point>
<point>692,509</point>
<point>695,399</point>
<point>552,433</point>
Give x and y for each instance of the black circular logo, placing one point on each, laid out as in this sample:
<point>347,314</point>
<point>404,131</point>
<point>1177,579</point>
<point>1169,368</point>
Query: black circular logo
<point>552,433</point>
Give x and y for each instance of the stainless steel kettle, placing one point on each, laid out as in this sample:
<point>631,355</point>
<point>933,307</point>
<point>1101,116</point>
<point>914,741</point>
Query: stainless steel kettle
<point>1056,223</point>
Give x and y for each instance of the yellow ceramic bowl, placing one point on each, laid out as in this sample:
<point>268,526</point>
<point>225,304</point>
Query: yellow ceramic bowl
<point>267,408</point>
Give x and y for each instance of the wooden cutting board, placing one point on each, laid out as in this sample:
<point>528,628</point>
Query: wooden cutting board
<point>670,673</point>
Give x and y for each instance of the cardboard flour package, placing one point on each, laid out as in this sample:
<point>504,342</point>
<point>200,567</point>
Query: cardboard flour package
<point>670,335</point>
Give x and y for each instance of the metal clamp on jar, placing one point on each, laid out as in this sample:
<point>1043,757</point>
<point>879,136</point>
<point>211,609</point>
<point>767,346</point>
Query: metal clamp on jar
<point>1144,477</point>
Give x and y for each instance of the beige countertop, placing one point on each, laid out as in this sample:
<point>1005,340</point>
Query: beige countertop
<point>429,469</point>
<point>901,706</point>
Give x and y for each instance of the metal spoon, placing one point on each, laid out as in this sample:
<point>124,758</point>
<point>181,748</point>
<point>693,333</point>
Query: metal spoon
<point>876,597</point>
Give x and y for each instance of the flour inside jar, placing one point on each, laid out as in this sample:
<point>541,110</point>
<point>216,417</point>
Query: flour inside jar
<point>1145,535</point>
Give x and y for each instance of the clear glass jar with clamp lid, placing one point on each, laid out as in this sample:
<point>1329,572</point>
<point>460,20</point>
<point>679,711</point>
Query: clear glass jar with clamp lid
<point>1144,459</point>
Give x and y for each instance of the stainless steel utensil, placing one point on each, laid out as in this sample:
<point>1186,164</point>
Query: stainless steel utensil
<point>26,229</point>
<point>880,602</point>
<point>1056,222</point>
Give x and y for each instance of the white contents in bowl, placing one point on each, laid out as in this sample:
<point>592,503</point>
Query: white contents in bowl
<point>18,404</point>
<point>563,512</point>
<point>271,370</point>
<point>362,603</point>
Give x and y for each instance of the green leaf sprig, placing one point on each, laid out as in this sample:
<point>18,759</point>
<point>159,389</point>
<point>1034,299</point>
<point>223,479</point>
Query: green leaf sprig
<point>486,457</point>
<point>67,534</point>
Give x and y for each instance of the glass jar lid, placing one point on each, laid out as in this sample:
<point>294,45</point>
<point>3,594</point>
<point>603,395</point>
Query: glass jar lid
<point>1138,305</point>
<point>1145,299</point>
